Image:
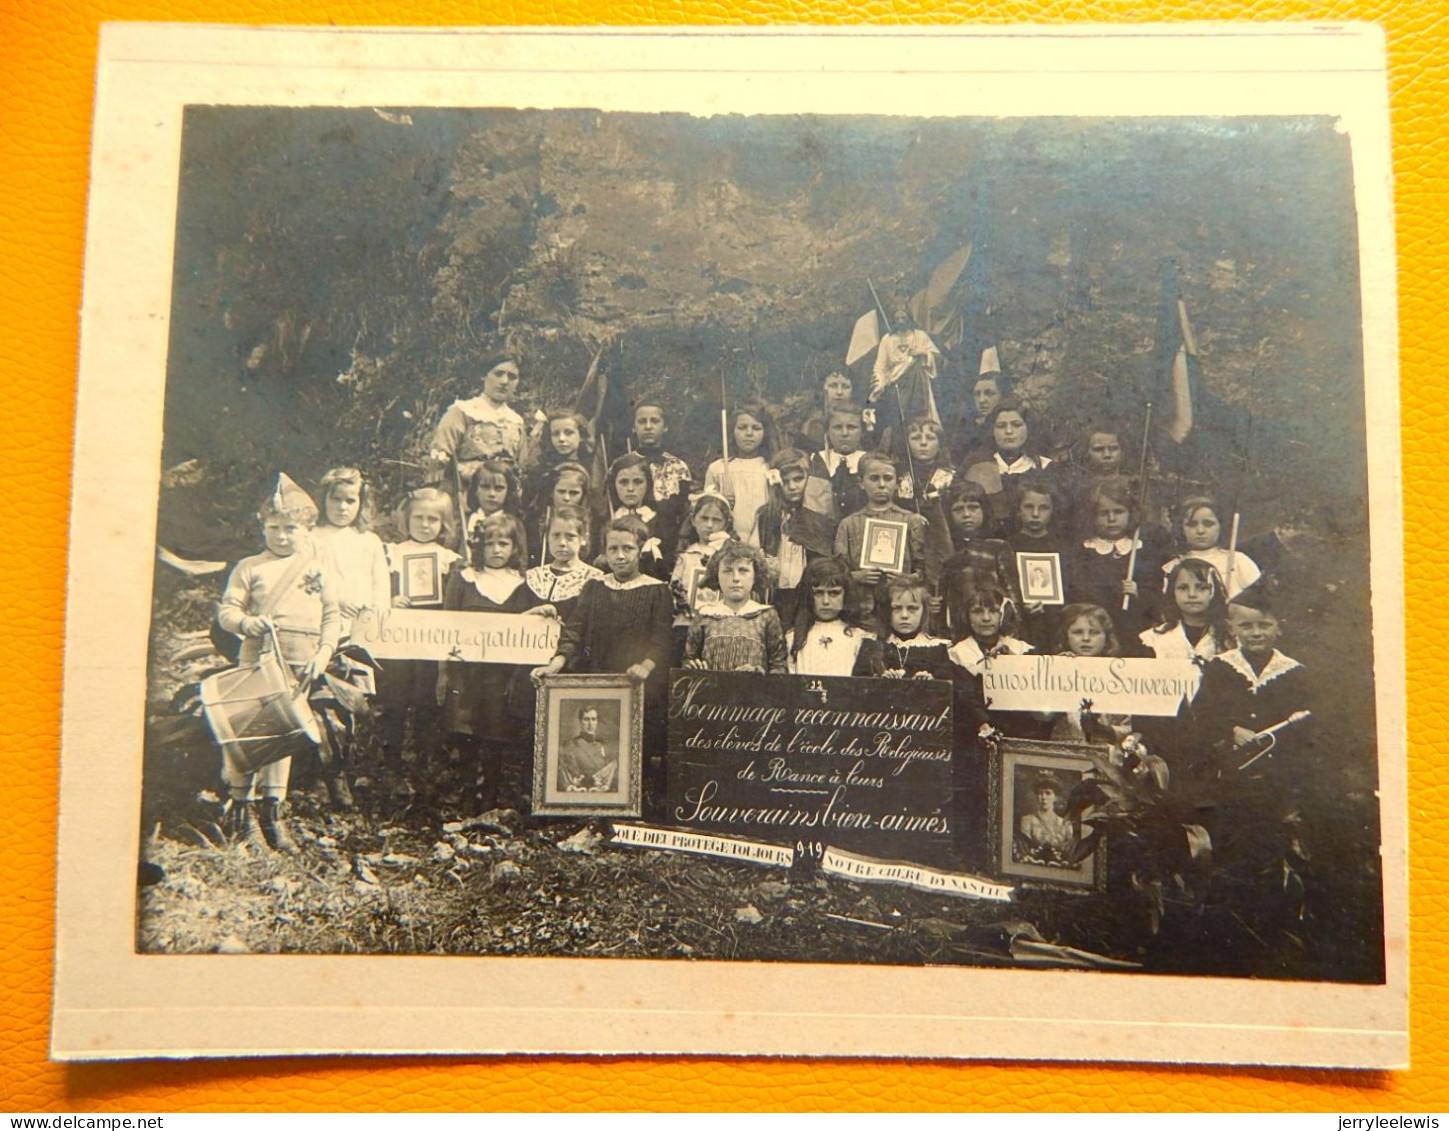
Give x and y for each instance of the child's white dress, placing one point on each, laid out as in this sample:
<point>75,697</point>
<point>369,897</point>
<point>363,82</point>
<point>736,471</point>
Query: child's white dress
<point>830,648</point>
<point>1174,644</point>
<point>748,490</point>
<point>357,568</point>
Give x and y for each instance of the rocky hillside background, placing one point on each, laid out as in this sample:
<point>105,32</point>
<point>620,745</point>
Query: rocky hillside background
<point>341,274</point>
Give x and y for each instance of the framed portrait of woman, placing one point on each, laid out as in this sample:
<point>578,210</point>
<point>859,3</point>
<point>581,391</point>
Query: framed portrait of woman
<point>1034,839</point>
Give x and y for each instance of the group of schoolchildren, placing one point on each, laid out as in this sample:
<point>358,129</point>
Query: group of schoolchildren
<point>759,565</point>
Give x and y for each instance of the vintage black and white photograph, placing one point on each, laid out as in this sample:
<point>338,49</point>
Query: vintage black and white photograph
<point>883,545</point>
<point>588,754</point>
<point>761,437</point>
<point>483,305</point>
<point>1041,578</point>
<point>1037,817</point>
<point>553,343</point>
<point>418,579</point>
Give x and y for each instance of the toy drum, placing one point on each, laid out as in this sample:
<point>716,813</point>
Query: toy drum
<point>258,713</point>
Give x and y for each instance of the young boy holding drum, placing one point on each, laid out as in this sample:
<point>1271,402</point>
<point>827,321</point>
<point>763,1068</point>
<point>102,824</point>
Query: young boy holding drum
<point>279,598</point>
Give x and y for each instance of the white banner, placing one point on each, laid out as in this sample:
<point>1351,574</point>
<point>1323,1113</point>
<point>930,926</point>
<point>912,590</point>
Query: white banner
<point>672,840</point>
<point>440,634</point>
<point>862,869</point>
<point>1113,685</point>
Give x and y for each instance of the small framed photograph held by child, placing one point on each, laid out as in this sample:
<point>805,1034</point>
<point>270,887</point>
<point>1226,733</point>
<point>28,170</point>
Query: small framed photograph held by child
<point>420,581</point>
<point>693,575</point>
<point>884,545</point>
<point>1041,578</point>
<point>588,754</point>
<point>1034,839</point>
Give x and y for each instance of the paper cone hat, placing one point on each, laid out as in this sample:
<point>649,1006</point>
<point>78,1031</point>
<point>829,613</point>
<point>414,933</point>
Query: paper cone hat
<point>289,499</point>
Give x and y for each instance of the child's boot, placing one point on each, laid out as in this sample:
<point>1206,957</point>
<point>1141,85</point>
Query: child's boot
<point>340,792</point>
<point>242,829</point>
<point>274,827</point>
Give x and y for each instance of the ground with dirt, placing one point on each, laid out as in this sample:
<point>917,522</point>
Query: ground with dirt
<point>417,870</point>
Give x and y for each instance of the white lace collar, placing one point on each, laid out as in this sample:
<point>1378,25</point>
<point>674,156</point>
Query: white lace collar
<point>1021,464</point>
<point>638,581</point>
<point>711,545</point>
<point>1120,547</point>
<point>482,409</point>
<point>1278,664</point>
<point>412,546</point>
<point>549,584</point>
<point>719,609</point>
<point>921,640</point>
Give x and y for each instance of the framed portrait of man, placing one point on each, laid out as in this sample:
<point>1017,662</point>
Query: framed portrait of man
<point>588,747</point>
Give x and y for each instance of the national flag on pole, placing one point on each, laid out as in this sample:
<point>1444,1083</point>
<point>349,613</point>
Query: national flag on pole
<point>610,417</point>
<point>864,338</point>
<point>1178,372</point>
<point>929,306</point>
<point>1198,436</point>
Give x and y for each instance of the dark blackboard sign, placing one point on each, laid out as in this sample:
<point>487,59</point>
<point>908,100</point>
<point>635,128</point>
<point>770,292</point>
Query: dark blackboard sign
<point>859,764</point>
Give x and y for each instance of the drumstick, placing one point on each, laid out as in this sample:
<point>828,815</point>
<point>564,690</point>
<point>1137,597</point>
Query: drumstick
<point>1272,732</point>
<point>277,648</point>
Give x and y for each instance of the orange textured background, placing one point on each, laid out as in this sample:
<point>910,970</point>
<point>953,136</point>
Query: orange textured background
<point>47,60</point>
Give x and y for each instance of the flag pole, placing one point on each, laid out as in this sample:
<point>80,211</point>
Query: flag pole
<point>462,502</point>
<point>1237,513</point>
<point>1141,503</point>
<point>589,378</point>
<point>884,317</point>
<point>724,436</point>
<point>900,406</point>
<point>916,486</point>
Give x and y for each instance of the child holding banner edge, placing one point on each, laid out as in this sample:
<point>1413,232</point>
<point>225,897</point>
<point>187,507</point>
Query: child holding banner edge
<point>408,688</point>
<point>488,706</point>
<point>1088,631</point>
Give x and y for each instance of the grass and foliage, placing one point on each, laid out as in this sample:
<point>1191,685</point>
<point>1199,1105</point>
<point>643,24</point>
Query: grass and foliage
<point>418,870</point>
